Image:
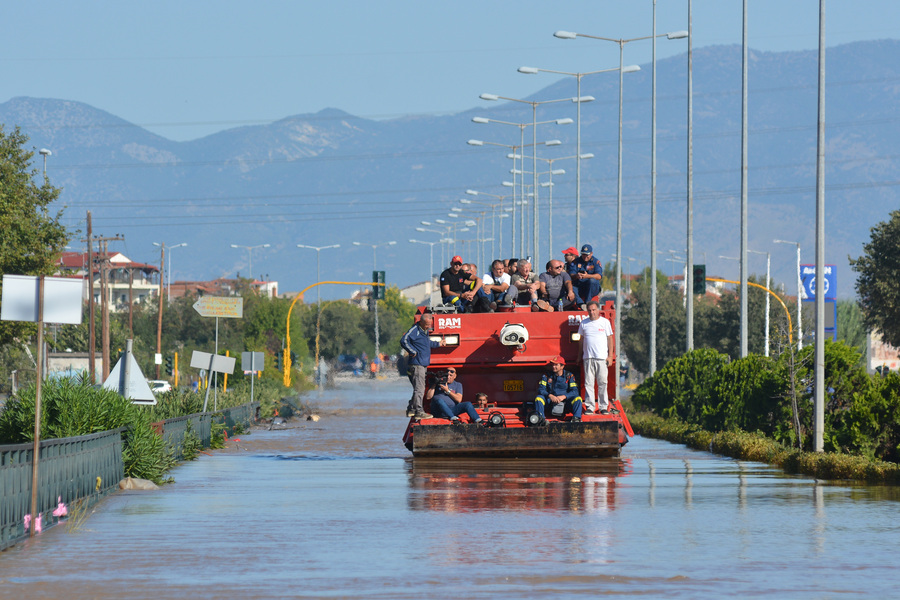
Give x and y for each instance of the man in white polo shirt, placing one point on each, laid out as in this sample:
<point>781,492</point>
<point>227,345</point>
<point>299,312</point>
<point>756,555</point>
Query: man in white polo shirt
<point>594,348</point>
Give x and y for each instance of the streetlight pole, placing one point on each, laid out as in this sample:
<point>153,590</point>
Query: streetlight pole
<point>318,303</point>
<point>493,214</point>
<point>549,184</point>
<point>45,153</point>
<point>169,276</point>
<point>431,261</point>
<point>250,250</point>
<point>534,123</point>
<point>579,99</point>
<point>534,145</point>
<point>569,35</point>
<point>799,294</point>
<point>375,268</point>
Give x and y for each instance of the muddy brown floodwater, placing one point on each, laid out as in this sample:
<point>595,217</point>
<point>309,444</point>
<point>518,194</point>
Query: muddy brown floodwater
<point>338,509</point>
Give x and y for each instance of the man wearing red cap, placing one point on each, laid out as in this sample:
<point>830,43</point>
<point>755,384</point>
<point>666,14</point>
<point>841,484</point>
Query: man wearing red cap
<point>559,390</point>
<point>457,289</point>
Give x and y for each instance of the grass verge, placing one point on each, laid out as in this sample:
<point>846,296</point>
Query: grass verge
<point>756,447</point>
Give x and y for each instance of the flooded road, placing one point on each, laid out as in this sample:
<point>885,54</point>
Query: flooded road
<point>338,509</point>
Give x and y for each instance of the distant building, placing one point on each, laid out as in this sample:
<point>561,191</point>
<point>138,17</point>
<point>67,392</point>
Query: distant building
<point>424,293</point>
<point>223,287</point>
<point>127,280</point>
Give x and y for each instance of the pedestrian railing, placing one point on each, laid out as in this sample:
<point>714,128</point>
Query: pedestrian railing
<point>69,469</point>
<point>87,467</point>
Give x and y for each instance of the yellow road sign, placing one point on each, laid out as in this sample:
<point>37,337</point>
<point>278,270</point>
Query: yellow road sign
<point>219,306</point>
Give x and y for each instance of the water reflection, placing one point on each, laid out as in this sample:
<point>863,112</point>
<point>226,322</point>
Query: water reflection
<point>546,485</point>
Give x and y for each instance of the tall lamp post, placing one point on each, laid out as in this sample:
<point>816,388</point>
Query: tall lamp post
<point>549,185</point>
<point>374,248</point>
<point>570,35</point>
<point>250,250</point>
<point>45,153</point>
<point>534,123</point>
<point>493,214</point>
<point>444,233</point>
<point>169,269</point>
<point>579,99</point>
<point>431,273</point>
<point>799,294</point>
<point>318,302</point>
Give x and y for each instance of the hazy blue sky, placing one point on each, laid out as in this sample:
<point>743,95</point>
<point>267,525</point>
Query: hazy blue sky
<point>185,69</point>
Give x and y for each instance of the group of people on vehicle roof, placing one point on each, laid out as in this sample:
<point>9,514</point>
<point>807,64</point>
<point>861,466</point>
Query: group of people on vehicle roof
<point>565,284</point>
<point>557,391</point>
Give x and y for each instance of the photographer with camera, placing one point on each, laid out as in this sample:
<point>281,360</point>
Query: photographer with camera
<point>446,395</point>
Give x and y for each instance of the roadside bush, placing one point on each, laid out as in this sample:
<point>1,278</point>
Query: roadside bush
<point>747,396</point>
<point>703,389</point>
<point>69,407</point>
<point>685,388</point>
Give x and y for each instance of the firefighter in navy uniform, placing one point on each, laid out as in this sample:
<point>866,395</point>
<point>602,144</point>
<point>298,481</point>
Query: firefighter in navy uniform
<point>558,390</point>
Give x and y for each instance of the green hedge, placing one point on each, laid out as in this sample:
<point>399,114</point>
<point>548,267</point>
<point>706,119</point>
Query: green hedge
<point>759,448</point>
<point>72,407</point>
<point>706,390</point>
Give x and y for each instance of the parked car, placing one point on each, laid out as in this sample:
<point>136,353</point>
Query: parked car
<point>159,386</point>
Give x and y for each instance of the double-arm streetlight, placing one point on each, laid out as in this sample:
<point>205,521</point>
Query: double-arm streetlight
<point>569,35</point>
<point>521,126</point>
<point>534,123</point>
<point>250,250</point>
<point>493,213</point>
<point>169,269</point>
<point>432,274</point>
<point>318,301</point>
<point>374,248</point>
<point>514,155</point>
<point>579,100</point>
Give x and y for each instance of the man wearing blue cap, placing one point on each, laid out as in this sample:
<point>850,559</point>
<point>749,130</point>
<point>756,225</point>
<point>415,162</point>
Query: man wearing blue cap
<point>587,274</point>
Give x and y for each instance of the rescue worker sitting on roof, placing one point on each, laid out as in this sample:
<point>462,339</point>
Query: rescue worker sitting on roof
<point>558,390</point>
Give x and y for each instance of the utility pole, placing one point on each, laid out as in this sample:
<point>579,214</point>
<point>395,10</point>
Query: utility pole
<point>162,262</point>
<point>131,303</point>
<point>104,300</point>
<point>92,342</point>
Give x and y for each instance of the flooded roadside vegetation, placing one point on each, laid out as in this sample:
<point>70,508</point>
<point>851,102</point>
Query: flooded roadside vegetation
<point>339,508</point>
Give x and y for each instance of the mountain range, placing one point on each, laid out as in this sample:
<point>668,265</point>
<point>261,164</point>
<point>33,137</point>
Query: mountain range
<point>333,178</point>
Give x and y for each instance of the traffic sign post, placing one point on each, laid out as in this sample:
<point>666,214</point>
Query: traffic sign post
<point>252,362</point>
<point>213,363</point>
<point>218,306</point>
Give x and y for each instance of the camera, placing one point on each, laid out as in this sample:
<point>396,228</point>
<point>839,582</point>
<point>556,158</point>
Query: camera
<point>439,378</point>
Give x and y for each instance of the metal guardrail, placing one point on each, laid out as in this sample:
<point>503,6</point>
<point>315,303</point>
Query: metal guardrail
<point>173,430</point>
<point>69,468</point>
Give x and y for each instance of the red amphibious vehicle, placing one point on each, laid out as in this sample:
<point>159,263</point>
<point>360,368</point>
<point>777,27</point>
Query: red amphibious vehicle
<point>504,354</point>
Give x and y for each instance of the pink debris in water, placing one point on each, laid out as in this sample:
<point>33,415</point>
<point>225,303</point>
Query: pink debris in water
<point>61,509</point>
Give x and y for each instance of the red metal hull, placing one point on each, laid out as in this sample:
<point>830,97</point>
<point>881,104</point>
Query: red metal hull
<point>509,375</point>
